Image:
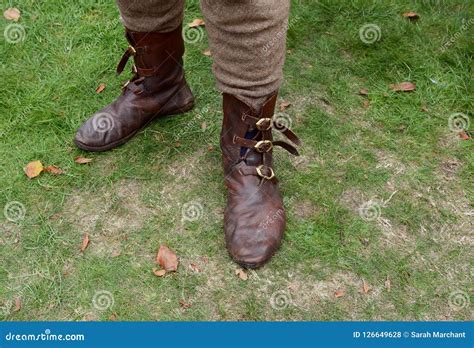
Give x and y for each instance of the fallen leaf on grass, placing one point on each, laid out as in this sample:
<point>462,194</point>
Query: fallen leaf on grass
<point>33,169</point>
<point>365,286</point>
<point>363,91</point>
<point>116,253</point>
<point>184,304</point>
<point>195,268</point>
<point>403,87</point>
<point>284,105</point>
<point>85,242</point>
<point>53,170</point>
<point>159,272</point>
<point>463,135</point>
<point>167,259</point>
<point>242,274</point>
<point>411,15</point>
<point>113,317</point>
<point>100,88</point>
<point>12,14</point>
<point>17,304</point>
<point>207,53</point>
<point>366,103</point>
<point>82,160</point>
<point>196,23</point>
<point>339,293</point>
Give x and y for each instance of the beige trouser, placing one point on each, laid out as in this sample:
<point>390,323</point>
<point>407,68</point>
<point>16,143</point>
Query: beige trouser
<point>247,39</point>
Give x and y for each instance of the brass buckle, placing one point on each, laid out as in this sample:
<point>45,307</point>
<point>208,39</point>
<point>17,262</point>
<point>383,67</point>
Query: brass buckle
<point>132,50</point>
<point>125,84</point>
<point>260,173</point>
<point>262,121</point>
<point>260,146</point>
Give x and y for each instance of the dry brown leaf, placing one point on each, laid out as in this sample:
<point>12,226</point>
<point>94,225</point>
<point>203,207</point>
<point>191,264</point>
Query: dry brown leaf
<point>388,284</point>
<point>167,259</point>
<point>365,286</point>
<point>116,253</point>
<point>54,170</point>
<point>363,91</point>
<point>242,274</point>
<point>207,53</point>
<point>17,304</point>
<point>184,304</point>
<point>284,105</point>
<point>12,14</point>
<point>195,268</point>
<point>204,126</point>
<point>463,135</point>
<point>403,86</point>
<point>33,169</point>
<point>159,272</point>
<point>82,160</point>
<point>113,317</point>
<point>100,88</point>
<point>210,148</point>
<point>424,109</point>
<point>196,23</point>
<point>85,242</point>
<point>411,15</point>
<point>366,103</point>
<point>339,293</point>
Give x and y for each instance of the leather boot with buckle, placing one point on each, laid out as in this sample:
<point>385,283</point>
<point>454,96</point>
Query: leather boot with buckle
<point>254,219</point>
<point>157,88</point>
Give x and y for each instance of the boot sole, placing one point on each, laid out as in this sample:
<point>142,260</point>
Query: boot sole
<point>122,141</point>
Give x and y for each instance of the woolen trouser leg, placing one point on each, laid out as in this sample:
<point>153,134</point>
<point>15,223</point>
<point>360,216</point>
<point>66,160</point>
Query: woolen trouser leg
<point>247,39</point>
<point>151,15</point>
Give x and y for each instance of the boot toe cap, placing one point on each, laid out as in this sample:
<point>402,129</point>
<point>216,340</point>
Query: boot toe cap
<point>252,247</point>
<point>97,133</point>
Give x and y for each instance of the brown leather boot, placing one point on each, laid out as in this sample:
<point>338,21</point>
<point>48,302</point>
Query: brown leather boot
<point>254,219</point>
<point>158,88</point>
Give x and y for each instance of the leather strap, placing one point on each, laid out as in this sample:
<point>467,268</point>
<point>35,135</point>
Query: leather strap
<point>131,51</point>
<point>287,132</point>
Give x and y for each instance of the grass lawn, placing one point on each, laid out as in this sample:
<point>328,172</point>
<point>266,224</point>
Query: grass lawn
<point>380,206</point>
